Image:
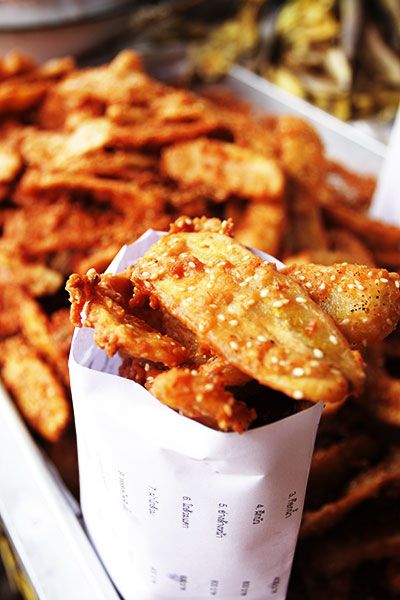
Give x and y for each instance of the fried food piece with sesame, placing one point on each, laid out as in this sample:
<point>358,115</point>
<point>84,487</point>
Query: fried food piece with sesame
<point>364,302</point>
<point>37,391</point>
<point>105,302</point>
<point>241,307</point>
<point>224,169</point>
<point>202,397</point>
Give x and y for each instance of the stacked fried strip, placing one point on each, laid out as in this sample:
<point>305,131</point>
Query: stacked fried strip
<point>89,160</point>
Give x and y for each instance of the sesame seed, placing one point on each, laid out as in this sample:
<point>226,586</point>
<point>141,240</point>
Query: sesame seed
<point>322,286</point>
<point>248,279</point>
<point>333,277</point>
<point>333,339</point>
<point>314,363</point>
<point>340,289</point>
<point>209,387</point>
<point>202,327</point>
<point>209,286</point>
<point>360,287</point>
<point>147,367</point>
<point>376,281</point>
<point>302,277</point>
<point>264,293</point>
<point>234,345</point>
<point>298,372</point>
<point>308,284</point>
<point>191,264</point>
<point>247,257</point>
<point>351,286</point>
<point>318,353</point>
<point>145,274</point>
<point>364,319</point>
<point>250,302</point>
<point>300,300</point>
<point>298,395</point>
<point>242,284</point>
<point>249,344</point>
<point>228,410</point>
<point>278,304</point>
<point>384,280</point>
<point>199,397</point>
<point>274,360</point>
<point>261,338</point>
<point>397,283</point>
<point>345,321</point>
<point>389,321</point>
<point>344,264</point>
<point>234,322</point>
<point>193,372</point>
<point>221,317</point>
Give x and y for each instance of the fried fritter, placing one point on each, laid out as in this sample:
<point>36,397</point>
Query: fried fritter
<point>117,329</point>
<point>226,294</point>
<point>364,302</point>
<point>37,391</point>
<point>224,169</point>
<point>202,397</point>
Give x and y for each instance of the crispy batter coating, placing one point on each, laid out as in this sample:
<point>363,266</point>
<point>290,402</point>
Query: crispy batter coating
<point>301,150</point>
<point>251,302</point>
<point>364,302</point>
<point>115,328</point>
<point>262,226</point>
<point>225,169</point>
<point>37,391</point>
<point>202,397</point>
<point>37,329</point>
<point>365,485</point>
<point>35,277</point>
<point>382,396</point>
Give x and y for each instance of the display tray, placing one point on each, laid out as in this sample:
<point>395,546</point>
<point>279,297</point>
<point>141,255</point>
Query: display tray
<point>40,516</point>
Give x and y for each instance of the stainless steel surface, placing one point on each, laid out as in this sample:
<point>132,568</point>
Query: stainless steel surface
<point>47,536</point>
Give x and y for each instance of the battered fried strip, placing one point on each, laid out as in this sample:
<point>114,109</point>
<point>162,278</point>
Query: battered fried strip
<point>376,234</point>
<point>262,226</point>
<point>10,299</point>
<point>10,164</point>
<point>114,327</point>
<point>139,370</point>
<point>225,169</point>
<point>226,295</point>
<point>202,397</point>
<point>334,556</point>
<point>366,485</point>
<point>301,151</point>
<point>37,392</point>
<point>364,302</point>
<point>37,329</point>
<point>348,244</point>
<point>306,228</point>
<point>382,397</point>
<point>35,277</point>
<point>330,465</point>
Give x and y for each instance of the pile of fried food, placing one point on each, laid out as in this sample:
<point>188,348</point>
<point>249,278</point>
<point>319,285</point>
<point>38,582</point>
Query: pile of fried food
<point>90,159</point>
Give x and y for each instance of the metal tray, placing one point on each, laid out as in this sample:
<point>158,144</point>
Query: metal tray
<point>40,517</point>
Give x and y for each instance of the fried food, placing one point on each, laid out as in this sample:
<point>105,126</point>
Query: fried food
<point>115,328</point>
<point>35,277</point>
<point>224,169</point>
<point>262,226</point>
<point>366,485</point>
<point>10,321</point>
<point>364,302</point>
<point>252,302</point>
<point>203,398</point>
<point>37,391</point>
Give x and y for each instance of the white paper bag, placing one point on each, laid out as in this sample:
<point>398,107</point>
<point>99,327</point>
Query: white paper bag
<point>175,509</point>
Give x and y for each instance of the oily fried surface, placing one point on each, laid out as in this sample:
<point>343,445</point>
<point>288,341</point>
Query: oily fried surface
<point>115,327</point>
<point>251,302</point>
<point>80,175</point>
<point>203,398</point>
<point>38,393</point>
<point>224,169</point>
<point>364,302</point>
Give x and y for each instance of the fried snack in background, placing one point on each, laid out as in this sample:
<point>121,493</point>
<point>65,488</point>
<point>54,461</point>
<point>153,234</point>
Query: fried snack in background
<point>83,175</point>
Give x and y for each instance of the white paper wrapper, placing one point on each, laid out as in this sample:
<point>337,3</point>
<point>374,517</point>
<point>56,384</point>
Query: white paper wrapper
<point>175,509</point>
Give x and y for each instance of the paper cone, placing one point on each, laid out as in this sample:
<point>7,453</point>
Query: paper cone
<point>175,509</point>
